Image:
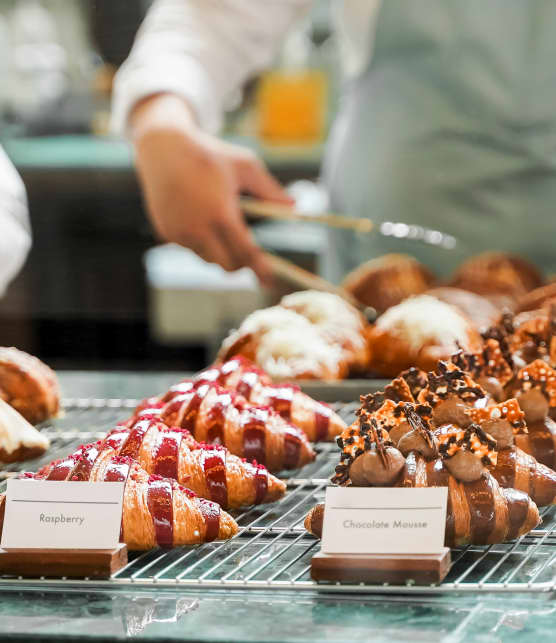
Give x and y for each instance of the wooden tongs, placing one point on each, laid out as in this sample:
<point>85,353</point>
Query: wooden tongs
<point>278,212</point>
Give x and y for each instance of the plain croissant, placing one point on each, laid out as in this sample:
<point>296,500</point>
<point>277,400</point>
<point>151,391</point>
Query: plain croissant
<point>478,513</point>
<point>156,510</point>
<point>209,470</point>
<point>316,419</point>
<point>215,415</point>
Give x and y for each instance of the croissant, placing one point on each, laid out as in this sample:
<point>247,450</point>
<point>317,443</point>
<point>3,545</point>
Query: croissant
<point>19,440</point>
<point>316,419</point>
<point>28,385</point>
<point>209,470</point>
<point>156,510</point>
<point>216,415</point>
<point>418,332</point>
<point>478,513</point>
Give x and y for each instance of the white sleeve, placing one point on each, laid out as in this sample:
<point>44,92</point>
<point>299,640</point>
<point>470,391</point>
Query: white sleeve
<point>202,50</point>
<point>15,230</point>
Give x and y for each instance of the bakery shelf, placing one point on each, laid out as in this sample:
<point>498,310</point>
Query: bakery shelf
<point>272,551</point>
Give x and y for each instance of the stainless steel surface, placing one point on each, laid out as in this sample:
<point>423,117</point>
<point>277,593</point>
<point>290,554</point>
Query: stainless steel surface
<point>272,551</point>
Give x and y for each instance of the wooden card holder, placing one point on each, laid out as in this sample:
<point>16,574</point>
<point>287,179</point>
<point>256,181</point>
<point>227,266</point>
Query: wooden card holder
<point>376,569</point>
<point>63,563</point>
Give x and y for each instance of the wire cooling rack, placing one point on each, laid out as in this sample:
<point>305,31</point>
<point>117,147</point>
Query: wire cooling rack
<point>272,549</point>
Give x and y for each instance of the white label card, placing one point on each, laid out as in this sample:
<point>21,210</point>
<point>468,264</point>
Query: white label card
<point>44,514</point>
<point>373,520</point>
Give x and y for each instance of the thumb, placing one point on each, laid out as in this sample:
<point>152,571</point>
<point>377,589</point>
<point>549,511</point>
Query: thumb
<point>256,179</point>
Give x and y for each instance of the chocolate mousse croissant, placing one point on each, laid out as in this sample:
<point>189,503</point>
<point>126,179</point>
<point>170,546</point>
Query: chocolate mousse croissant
<point>479,511</point>
<point>156,510</point>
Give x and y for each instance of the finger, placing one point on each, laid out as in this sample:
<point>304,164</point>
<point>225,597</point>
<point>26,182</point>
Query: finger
<point>210,248</point>
<point>255,178</point>
<point>238,239</point>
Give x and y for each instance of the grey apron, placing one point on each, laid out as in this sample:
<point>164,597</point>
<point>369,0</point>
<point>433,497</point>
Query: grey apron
<point>452,126</point>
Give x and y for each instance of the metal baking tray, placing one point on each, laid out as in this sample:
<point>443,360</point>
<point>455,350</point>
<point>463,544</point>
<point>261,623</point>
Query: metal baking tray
<point>272,551</point>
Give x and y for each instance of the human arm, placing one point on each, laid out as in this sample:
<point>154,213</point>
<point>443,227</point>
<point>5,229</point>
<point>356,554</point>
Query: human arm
<point>169,97</point>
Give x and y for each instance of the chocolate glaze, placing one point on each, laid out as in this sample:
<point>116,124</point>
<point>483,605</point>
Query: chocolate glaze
<point>504,471</point>
<point>480,497</point>
<point>518,508</point>
<point>541,439</point>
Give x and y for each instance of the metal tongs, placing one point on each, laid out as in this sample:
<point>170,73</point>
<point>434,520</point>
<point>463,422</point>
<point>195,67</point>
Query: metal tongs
<point>398,230</point>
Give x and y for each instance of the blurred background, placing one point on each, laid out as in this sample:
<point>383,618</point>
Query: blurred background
<point>97,289</point>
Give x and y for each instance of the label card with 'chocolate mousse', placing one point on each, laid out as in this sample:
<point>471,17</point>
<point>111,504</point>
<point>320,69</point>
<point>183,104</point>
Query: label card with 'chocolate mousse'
<point>384,520</point>
<point>48,514</point>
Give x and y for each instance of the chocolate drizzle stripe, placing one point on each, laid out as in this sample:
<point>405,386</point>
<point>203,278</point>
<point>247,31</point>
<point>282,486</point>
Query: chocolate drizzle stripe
<point>518,508</point>
<point>482,511</point>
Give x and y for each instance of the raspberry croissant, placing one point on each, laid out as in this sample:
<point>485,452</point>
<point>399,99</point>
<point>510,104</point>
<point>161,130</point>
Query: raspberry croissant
<point>156,510</point>
<point>216,415</point>
<point>316,419</point>
<point>209,470</point>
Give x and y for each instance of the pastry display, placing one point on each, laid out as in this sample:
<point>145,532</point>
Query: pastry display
<point>418,332</point>
<point>217,415</point>
<point>156,510</point>
<point>386,281</point>
<point>502,277</point>
<point>28,385</point>
<point>19,440</point>
<point>316,419</point>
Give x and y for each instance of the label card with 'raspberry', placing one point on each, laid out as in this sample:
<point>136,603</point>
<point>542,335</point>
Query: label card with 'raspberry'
<point>62,515</point>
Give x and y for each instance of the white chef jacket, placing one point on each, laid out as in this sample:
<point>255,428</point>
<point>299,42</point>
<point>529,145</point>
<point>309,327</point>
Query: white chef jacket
<point>15,230</point>
<point>204,50</point>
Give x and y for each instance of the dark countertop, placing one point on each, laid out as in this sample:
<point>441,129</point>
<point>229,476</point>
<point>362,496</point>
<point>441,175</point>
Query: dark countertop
<point>42,612</point>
